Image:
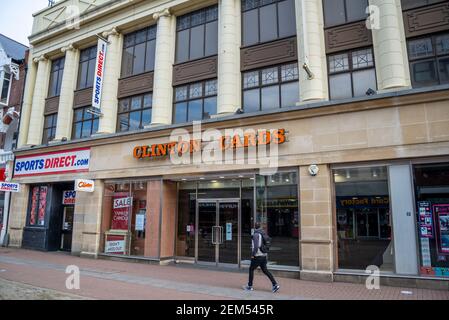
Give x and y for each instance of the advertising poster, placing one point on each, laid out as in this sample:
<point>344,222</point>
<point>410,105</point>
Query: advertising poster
<point>442,221</point>
<point>140,221</point>
<point>68,197</point>
<point>425,219</point>
<point>122,206</point>
<point>42,206</point>
<point>115,244</point>
<point>228,231</point>
<point>34,201</point>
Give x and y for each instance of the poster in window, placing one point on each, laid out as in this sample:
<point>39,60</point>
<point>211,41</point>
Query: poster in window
<point>425,219</point>
<point>34,201</point>
<point>442,223</point>
<point>122,205</point>
<point>42,206</point>
<point>140,220</point>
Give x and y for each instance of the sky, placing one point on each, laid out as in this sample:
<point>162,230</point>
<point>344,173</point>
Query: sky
<point>16,20</point>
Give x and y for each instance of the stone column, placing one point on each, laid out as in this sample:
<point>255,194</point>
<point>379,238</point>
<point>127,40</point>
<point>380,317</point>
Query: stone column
<point>390,48</point>
<point>25,113</point>
<point>38,105</point>
<point>68,86</point>
<point>229,39</point>
<point>109,101</point>
<point>316,224</point>
<point>311,50</point>
<point>163,68</point>
<point>17,215</point>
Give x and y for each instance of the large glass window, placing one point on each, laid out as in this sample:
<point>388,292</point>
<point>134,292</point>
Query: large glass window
<point>264,21</point>
<point>363,218</point>
<point>351,74</point>
<point>196,101</point>
<point>338,12</point>
<point>271,88</point>
<point>429,60</point>
<point>50,122</point>
<point>38,206</point>
<point>86,71</point>
<point>85,124</point>
<point>134,113</point>
<point>57,70</point>
<point>139,51</point>
<point>432,195</point>
<point>197,34</point>
<point>5,81</point>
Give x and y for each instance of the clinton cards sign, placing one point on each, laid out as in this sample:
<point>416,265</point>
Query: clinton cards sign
<point>99,73</point>
<point>72,161</point>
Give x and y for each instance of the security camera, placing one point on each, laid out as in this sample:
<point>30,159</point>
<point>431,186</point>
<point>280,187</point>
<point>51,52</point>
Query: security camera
<point>370,92</point>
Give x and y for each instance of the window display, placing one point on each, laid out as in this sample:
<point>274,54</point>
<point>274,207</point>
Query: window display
<point>38,206</point>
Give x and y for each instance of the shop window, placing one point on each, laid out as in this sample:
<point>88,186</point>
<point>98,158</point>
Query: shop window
<point>337,12</point>
<point>411,4</point>
<point>50,122</point>
<point>5,87</point>
<point>139,52</point>
<point>134,113</point>
<point>271,88</point>
<point>196,101</point>
<point>85,124</point>
<point>432,195</point>
<point>197,34</point>
<point>57,70</point>
<point>38,206</point>
<point>264,21</point>
<point>351,74</point>
<point>429,60</point>
<point>363,218</point>
<point>86,71</point>
<point>125,209</point>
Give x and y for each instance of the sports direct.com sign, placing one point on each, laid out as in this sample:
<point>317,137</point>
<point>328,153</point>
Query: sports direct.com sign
<point>72,161</point>
<point>99,73</point>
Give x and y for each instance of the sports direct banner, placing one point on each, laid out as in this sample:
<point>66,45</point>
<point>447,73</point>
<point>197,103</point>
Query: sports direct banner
<point>99,73</point>
<point>53,163</point>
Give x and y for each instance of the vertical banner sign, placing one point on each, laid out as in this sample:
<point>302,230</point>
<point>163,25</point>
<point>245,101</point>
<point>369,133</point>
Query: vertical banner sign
<point>122,205</point>
<point>99,74</point>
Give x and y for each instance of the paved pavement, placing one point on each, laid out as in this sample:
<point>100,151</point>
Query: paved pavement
<point>28,274</point>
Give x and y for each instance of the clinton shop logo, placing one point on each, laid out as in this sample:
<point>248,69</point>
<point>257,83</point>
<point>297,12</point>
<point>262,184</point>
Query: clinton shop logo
<point>53,163</point>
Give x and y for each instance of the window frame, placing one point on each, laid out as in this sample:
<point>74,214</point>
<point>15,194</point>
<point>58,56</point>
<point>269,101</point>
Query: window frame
<point>351,69</point>
<point>88,61</point>
<point>435,57</point>
<point>130,110</point>
<point>134,45</point>
<point>3,78</point>
<point>203,97</point>
<point>56,72</point>
<point>258,7</point>
<point>327,26</point>
<point>83,121</point>
<point>51,128</point>
<point>260,86</point>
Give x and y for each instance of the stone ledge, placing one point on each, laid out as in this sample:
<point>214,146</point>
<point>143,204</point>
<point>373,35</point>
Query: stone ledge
<point>319,276</point>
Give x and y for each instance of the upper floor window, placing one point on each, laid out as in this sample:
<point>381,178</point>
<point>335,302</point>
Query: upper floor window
<point>49,128</point>
<point>197,34</point>
<point>138,52</point>
<point>134,113</point>
<point>5,86</point>
<point>271,88</point>
<point>196,101</point>
<point>267,20</point>
<point>429,60</point>
<point>88,59</point>
<point>338,12</point>
<point>351,74</point>
<point>57,70</point>
<point>410,4</point>
<point>85,124</point>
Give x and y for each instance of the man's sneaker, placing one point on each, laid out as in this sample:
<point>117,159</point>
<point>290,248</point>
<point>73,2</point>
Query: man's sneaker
<point>248,288</point>
<point>276,288</point>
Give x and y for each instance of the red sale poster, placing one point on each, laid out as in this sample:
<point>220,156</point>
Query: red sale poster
<point>121,208</point>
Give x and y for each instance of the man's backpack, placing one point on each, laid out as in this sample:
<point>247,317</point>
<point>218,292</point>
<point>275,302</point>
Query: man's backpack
<point>266,243</point>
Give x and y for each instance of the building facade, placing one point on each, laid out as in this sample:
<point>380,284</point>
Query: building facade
<point>333,126</point>
<point>13,61</point>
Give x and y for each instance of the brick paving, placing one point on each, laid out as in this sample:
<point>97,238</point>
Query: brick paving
<point>106,279</point>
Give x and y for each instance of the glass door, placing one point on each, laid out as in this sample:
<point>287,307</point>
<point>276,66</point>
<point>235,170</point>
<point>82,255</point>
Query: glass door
<point>206,231</point>
<point>229,228</point>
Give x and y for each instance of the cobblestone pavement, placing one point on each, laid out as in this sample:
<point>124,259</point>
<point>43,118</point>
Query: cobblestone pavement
<point>43,277</point>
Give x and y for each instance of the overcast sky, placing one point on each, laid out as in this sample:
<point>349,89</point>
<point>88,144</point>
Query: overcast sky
<point>16,18</point>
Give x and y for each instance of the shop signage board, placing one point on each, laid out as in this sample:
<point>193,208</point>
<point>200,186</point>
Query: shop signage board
<point>363,201</point>
<point>84,185</point>
<point>99,74</point>
<point>9,187</point>
<point>70,161</point>
<point>69,197</point>
<point>115,244</point>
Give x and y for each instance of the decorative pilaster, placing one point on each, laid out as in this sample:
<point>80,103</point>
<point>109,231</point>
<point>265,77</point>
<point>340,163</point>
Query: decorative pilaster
<point>311,50</point>
<point>163,68</point>
<point>229,39</point>
<point>389,46</point>
<point>109,101</point>
<point>68,86</point>
<point>38,105</point>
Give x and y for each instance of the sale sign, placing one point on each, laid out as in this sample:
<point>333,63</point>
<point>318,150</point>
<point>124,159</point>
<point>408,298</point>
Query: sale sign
<point>72,161</point>
<point>121,209</point>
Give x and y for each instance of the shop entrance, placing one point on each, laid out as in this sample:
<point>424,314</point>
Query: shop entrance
<point>367,223</point>
<point>218,231</point>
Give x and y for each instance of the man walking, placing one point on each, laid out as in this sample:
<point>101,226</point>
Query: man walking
<point>259,259</point>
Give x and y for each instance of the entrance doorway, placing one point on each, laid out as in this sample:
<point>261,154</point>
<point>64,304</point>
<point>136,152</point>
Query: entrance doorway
<point>367,223</point>
<point>67,228</point>
<point>218,231</point>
